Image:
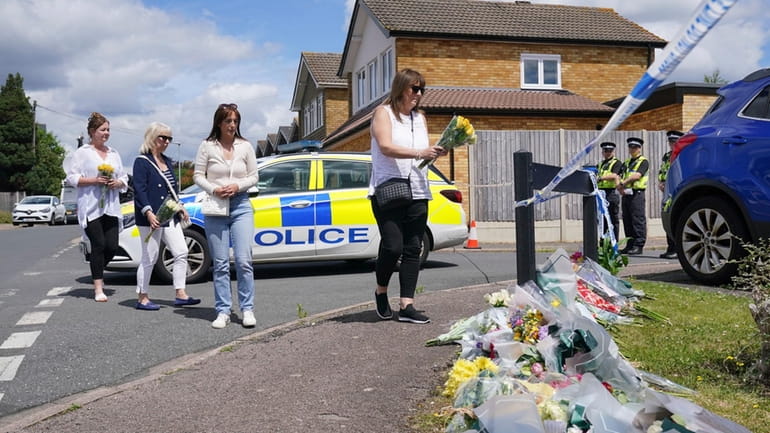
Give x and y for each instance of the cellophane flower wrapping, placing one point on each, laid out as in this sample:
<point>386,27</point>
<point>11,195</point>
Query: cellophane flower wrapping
<point>558,370</point>
<point>166,212</point>
<point>458,132</point>
<point>105,170</point>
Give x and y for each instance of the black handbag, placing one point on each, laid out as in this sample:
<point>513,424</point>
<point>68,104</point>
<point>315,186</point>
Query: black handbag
<point>394,192</point>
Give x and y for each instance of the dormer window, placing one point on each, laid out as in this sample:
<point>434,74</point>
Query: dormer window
<point>540,71</point>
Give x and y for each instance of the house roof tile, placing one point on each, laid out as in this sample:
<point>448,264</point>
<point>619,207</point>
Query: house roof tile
<point>520,20</point>
<point>509,102</point>
<point>323,67</point>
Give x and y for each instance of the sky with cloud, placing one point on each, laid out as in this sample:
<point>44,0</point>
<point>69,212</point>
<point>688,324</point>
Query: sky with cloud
<point>174,61</point>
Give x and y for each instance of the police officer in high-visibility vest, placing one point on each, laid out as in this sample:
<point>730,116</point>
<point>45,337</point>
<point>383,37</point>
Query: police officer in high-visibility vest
<point>632,188</point>
<point>672,137</point>
<point>607,179</point>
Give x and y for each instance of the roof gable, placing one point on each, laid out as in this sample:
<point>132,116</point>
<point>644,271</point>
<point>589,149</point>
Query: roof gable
<point>321,70</point>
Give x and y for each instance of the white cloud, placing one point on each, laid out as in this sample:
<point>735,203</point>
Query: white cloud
<point>734,46</point>
<point>136,65</point>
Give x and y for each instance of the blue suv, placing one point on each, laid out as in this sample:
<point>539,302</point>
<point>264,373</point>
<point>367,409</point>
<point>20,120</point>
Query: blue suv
<point>718,187</point>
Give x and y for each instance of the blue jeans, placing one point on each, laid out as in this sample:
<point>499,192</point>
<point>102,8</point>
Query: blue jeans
<point>236,230</point>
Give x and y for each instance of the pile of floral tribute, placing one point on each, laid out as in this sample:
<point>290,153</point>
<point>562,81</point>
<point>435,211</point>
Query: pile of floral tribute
<point>539,360</point>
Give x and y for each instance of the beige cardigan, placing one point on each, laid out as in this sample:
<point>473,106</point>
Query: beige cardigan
<point>212,170</point>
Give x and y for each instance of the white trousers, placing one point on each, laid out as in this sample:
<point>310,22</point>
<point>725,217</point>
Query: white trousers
<point>174,239</point>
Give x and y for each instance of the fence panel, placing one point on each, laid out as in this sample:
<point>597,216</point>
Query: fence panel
<point>491,180</point>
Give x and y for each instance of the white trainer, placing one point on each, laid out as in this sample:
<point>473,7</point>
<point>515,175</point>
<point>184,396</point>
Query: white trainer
<point>221,321</point>
<point>249,321</point>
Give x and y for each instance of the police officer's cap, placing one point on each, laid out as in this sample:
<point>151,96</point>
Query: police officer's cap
<point>674,135</point>
<point>634,142</point>
<point>607,145</point>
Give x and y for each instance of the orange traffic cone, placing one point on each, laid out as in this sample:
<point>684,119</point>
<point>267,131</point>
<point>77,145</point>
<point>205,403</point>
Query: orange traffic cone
<point>473,238</point>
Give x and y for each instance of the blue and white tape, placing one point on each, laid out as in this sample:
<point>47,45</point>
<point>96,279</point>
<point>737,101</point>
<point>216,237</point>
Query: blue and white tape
<point>706,16</point>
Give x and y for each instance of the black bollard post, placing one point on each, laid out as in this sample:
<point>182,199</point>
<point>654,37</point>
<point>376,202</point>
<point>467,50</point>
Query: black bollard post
<point>590,228</point>
<point>525,217</point>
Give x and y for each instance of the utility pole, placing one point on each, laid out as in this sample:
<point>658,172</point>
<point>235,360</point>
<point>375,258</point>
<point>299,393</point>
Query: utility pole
<point>34,126</point>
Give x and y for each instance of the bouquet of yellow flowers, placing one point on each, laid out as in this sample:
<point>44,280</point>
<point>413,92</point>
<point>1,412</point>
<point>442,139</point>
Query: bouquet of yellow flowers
<point>167,210</point>
<point>459,132</point>
<point>105,170</point>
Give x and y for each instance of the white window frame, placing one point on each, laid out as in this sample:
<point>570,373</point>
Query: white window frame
<point>361,88</point>
<point>319,108</point>
<point>371,77</point>
<point>386,60</point>
<point>306,126</point>
<point>540,58</point>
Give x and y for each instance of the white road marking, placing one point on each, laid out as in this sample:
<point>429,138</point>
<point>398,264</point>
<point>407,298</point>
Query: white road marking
<point>56,291</point>
<point>8,366</point>
<point>31,274</point>
<point>34,318</point>
<point>1,396</point>
<point>9,292</point>
<point>20,340</point>
<point>55,302</point>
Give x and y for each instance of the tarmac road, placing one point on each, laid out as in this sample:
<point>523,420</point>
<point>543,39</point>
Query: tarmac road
<point>343,370</point>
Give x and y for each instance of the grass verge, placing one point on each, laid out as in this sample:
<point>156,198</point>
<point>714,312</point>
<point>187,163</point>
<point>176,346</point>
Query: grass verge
<point>709,347</point>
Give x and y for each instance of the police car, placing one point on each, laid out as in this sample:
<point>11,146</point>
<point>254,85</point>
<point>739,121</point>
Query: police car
<point>308,207</point>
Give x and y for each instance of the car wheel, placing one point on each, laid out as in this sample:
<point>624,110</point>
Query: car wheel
<point>198,259</point>
<point>52,221</point>
<point>708,237</point>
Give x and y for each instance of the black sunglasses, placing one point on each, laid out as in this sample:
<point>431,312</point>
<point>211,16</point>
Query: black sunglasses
<point>167,138</point>
<point>230,106</point>
<point>416,89</point>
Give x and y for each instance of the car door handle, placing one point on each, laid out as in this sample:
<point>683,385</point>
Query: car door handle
<point>299,204</point>
<point>735,140</point>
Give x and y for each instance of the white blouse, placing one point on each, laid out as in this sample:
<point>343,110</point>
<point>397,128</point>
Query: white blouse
<point>411,131</point>
<point>83,164</point>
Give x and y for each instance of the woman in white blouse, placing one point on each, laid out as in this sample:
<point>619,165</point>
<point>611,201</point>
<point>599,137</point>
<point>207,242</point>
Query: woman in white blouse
<point>98,197</point>
<point>226,167</point>
<point>399,142</point>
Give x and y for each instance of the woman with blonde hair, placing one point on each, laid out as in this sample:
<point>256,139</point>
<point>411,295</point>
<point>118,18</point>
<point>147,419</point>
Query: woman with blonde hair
<point>154,182</point>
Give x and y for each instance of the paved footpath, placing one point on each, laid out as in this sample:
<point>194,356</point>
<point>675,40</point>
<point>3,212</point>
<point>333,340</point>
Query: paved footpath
<point>343,371</point>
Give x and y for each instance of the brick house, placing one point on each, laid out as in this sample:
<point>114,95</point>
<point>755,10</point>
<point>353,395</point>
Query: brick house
<point>505,65</point>
<point>320,96</point>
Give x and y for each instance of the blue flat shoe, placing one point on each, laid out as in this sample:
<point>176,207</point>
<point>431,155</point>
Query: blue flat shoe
<point>189,301</point>
<point>150,306</point>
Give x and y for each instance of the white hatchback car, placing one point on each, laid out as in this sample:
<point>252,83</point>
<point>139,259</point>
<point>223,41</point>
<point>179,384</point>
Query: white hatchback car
<point>309,207</point>
<point>38,209</point>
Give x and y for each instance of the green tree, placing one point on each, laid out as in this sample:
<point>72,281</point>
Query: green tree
<point>16,117</point>
<point>23,167</point>
<point>46,175</point>
<point>714,78</point>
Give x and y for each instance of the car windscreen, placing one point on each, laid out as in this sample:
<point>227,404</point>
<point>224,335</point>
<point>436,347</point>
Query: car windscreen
<point>36,200</point>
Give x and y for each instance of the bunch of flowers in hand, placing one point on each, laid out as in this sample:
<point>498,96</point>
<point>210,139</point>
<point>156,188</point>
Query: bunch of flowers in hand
<point>458,133</point>
<point>167,210</point>
<point>105,170</point>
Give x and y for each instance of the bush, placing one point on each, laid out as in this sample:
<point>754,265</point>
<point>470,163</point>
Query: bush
<point>754,275</point>
<point>5,217</point>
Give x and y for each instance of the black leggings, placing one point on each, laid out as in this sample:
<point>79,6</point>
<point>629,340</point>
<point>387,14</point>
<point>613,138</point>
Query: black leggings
<point>401,232</point>
<point>103,235</point>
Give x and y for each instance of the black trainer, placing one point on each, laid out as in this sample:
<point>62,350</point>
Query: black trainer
<point>409,314</point>
<point>383,306</point>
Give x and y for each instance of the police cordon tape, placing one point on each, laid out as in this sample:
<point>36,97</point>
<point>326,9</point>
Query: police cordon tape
<point>706,16</point>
